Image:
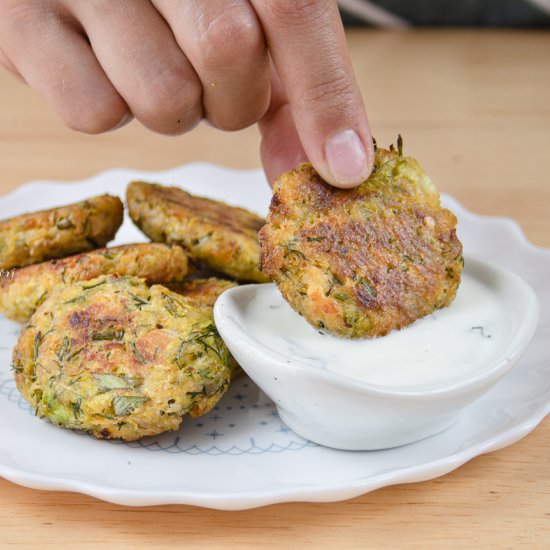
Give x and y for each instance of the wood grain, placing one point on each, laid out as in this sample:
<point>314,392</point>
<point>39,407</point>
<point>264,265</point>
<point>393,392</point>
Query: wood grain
<point>474,107</point>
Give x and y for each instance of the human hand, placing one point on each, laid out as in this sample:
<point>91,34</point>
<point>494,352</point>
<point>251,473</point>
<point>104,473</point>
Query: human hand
<point>170,63</point>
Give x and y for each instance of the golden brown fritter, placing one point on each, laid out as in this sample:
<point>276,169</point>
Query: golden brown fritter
<point>365,261</point>
<point>224,237</point>
<point>39,236</point>
<point>120,360</point>
<point>21,294</point>
<point>205,291</point>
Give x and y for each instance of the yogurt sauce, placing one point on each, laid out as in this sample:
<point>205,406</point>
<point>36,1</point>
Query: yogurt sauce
<point>440,349</point>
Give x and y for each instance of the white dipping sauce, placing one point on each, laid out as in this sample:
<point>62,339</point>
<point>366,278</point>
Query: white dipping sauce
<point>442,348</point>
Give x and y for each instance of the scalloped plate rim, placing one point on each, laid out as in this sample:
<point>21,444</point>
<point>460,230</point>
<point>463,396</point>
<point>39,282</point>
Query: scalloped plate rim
<point>322,493</point>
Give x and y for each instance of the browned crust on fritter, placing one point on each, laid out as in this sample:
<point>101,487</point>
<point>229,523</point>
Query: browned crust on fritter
<point>223,236</point>
<point>29,286</point>
<point>58,232</point>
<point>365,261</point>
<point>205,291</point>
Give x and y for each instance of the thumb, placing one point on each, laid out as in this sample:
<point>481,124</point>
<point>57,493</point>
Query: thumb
<point>309,51</point>
<point>281,149</point>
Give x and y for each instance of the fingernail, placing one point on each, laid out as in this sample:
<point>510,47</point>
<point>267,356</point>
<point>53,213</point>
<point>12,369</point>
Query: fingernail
<point>346,158</point>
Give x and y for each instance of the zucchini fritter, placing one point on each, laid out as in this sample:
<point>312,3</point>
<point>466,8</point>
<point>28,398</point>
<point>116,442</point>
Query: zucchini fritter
<point>365,261</point>
<point>224,237</point>
<point>21,294</point>
<point>205,291</point>
<point>120,360</point>
<point>39,236</point>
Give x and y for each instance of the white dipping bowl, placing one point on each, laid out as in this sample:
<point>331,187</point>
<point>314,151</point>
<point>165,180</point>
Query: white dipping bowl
<point>343,412</point>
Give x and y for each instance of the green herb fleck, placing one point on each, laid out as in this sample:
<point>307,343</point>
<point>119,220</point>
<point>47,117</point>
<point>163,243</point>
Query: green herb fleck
<point>172,306</point>
<point>110,382</point>
<point>370,289</point>
<point>64,350</point>
<point>109,255</point>
<point>74,354</point>
<point>400,145</point>
<point>75,300</point>
<point>342,296</point>
<point>179,354</point>
<point>77,408</point>
<point>137,300</point>
<point>291,250</point>
<point>137,353</point>
<point>315,239</point>
<point>209,338</point>
<point>17,368</point>
<point>108,335</point>
<point>94,285</point>
<point>123,405</point>
<point>37,342</point>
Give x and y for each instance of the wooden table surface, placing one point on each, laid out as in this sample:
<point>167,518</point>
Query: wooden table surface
<point>474,107</point>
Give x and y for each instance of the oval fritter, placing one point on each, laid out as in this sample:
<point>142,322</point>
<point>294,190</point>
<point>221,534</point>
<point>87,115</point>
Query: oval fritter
<point>39,236</point>
<point>224,237</point>
<point>29,286</point>
<point>205,291</point>
<point>365,261</point>
<point>120,360</point>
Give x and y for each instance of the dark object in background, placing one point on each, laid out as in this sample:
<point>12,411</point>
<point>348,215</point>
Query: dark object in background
<point>447,13</point>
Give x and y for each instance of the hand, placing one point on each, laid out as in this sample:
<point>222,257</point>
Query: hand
<point>170,63</point>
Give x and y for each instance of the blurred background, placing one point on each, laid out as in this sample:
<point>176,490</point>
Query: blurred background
<point>448,13</point>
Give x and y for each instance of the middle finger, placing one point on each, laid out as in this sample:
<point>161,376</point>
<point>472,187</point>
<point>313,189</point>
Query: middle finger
<point>224,41</point>
<point>141,57</point>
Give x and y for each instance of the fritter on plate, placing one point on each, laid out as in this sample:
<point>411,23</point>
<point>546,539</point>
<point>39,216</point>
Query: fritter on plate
<point>224,237</point>
<point>120,360</point>
<point>205,291</point>
<point>365,261</point>
<point>21,294</point>
<point>38,236</point>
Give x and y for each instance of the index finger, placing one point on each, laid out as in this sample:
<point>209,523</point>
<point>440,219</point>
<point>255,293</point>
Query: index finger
<point>308,46</point>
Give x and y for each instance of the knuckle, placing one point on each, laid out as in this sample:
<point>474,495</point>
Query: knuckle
<point>171,103</point>
<point>335,92</point>
<point>230,35</point>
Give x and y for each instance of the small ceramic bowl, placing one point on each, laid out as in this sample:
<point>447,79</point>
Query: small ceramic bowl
<point>344,412</point>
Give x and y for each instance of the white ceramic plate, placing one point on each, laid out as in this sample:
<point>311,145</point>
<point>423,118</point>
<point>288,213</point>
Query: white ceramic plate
<point>241,455</point>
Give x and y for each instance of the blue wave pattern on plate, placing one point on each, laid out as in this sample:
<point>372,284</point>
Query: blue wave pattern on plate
<point>243,410</point>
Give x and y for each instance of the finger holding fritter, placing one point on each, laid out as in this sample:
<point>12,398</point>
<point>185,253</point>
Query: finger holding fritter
<point>362,262</point>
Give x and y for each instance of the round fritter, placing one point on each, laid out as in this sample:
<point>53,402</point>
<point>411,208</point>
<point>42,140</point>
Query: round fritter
<point>365,261</point>
<point>120,360</point>
<point>26,288</point>
<point>224,237</point>
<point>38,236</point>
<point>205,291</point>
